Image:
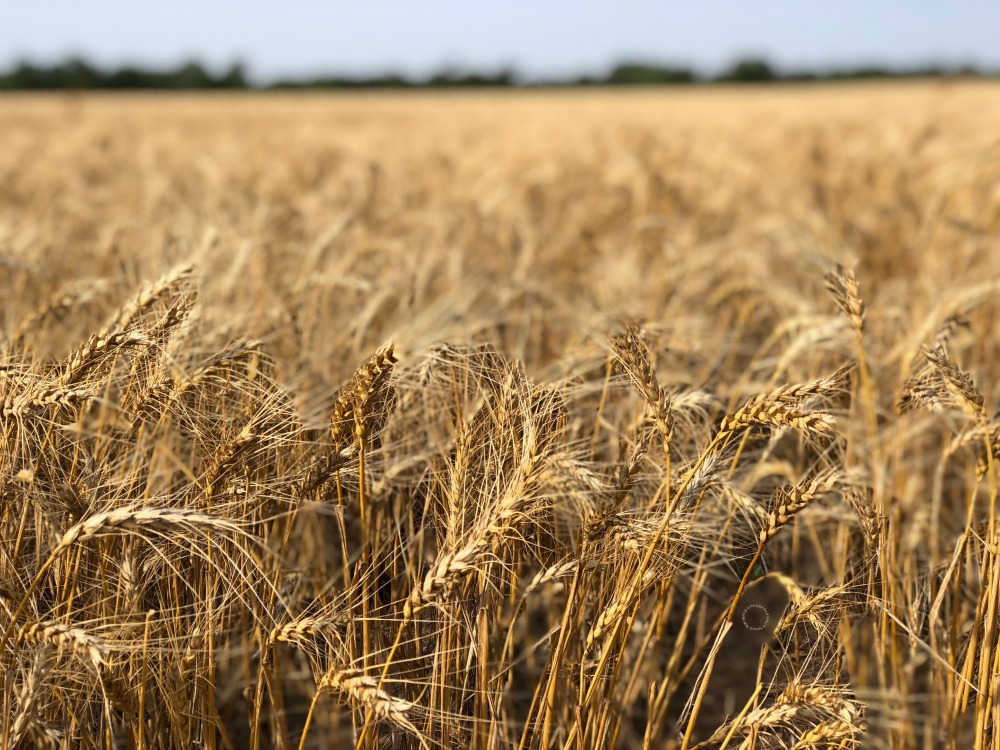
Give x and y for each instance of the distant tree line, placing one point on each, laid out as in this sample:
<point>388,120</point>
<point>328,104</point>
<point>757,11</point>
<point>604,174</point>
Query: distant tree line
<point>77,74</point>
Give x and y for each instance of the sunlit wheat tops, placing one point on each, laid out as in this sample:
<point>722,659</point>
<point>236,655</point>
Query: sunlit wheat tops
<point>843,284</point>
<point>633,357</point>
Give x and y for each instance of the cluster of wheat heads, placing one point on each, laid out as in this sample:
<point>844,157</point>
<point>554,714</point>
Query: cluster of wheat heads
<point>462,557</point>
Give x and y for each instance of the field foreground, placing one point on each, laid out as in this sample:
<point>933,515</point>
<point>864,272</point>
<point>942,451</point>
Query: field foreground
<point>523,420</point>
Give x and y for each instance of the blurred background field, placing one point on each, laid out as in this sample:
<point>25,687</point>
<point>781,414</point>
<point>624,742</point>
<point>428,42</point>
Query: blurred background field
<point>542,217</point>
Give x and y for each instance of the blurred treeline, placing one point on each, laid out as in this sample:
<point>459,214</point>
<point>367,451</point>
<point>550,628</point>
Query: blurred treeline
<point>79,74</point>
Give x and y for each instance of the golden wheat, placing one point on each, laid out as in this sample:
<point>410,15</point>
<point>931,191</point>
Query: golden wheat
<point>327,421</point>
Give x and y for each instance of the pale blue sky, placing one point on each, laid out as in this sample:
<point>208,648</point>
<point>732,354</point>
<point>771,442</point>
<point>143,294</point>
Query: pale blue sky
<point>536,37</point>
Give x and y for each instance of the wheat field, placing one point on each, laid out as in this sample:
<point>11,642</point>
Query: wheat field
<point>634,419</point>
